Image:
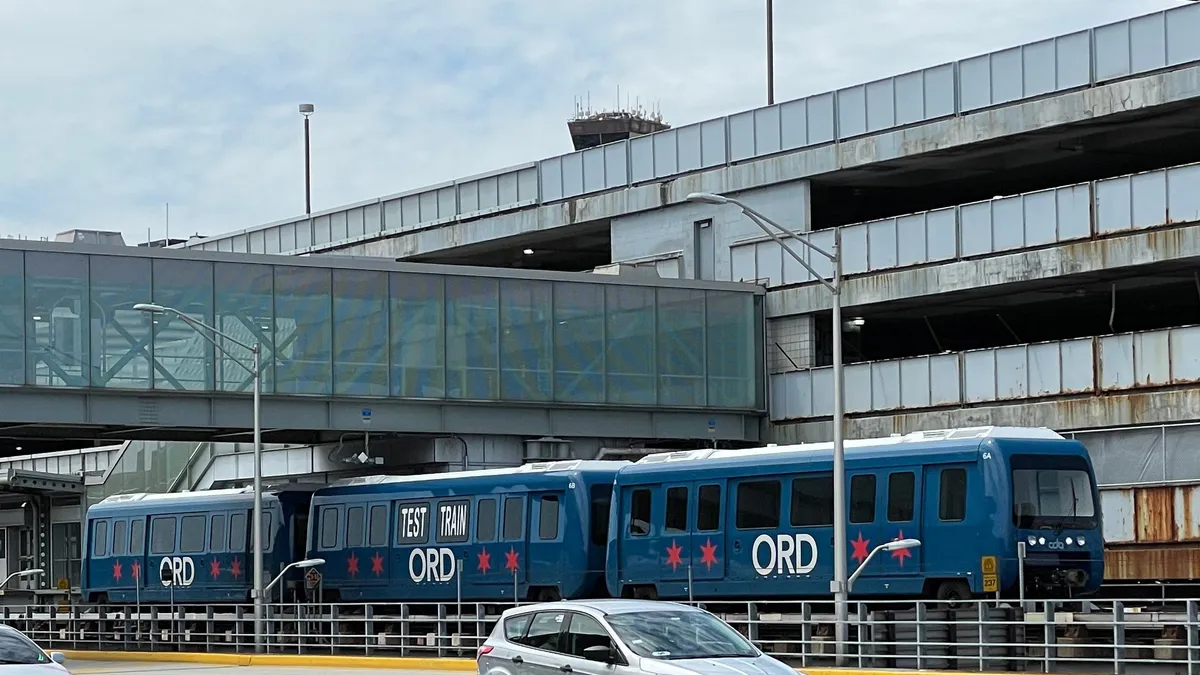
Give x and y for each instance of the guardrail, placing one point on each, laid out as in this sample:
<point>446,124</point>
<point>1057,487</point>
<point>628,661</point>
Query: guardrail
<point>989,635</point>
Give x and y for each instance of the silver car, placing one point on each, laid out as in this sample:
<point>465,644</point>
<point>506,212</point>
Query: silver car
<point>20,656</point>
<point>619,637</point>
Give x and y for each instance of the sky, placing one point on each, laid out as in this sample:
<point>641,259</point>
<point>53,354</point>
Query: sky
<point>111,110</point>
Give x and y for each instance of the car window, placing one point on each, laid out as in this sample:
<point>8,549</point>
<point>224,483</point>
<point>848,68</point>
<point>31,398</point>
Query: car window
<point>585,632</point>
<point>514,628</point>
<point>17,649</point>
<point>545,631</point>
<point>675,634</point>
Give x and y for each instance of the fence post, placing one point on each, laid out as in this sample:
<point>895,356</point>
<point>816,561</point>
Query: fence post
<point>1119,638</point>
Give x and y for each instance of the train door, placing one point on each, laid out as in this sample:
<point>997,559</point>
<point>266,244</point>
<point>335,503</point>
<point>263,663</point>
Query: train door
<point>640,554</point>
<point>511,559</point>
<point>903,514</point>
<point>864,528</point>
<point>4,553</point>
<point>708,532</point>
<point>675,545</point>
<point>548,558</point>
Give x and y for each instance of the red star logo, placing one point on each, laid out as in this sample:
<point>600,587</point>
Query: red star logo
<point>377,564</point>
<point>510,560</point>
<point>214,568</point>
<point>236,568</point>
<point>673,552</point>
<point>352,565</point>
<point>860,548</point>
<point>136,568</point>
<point>708,553</point>
<point>485,561</point>
<point>901,553</point>
<point>116,570</point>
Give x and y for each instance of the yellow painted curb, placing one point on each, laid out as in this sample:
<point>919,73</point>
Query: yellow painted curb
<point>156,657</point>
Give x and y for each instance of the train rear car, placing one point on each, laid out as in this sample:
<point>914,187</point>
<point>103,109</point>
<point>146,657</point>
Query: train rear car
<point>536,531</point>
<point>199,541</point>
<point>758,523</point>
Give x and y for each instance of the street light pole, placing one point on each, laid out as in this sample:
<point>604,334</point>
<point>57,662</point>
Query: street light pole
<point>204,331</point>
<point>307,110</point>
<point>839,584</point>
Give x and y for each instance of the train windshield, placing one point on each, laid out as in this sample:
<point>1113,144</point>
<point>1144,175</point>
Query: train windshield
<point>1052,493</point>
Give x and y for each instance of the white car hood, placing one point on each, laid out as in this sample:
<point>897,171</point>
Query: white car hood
<point>32,669</point>
<point>760,665</point>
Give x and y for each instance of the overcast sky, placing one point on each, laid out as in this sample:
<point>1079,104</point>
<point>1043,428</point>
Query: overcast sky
<point>111,109</point>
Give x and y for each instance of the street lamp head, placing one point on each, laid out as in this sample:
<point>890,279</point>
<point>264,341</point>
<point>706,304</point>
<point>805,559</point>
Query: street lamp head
<point>307,109</point>
<point>149,307</point>
<point>311,562</point>
<point>30,573</point>
<point>901,544</point>
<point>707,198</point>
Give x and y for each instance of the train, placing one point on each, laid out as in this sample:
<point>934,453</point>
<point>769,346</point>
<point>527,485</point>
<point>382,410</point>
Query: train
<point>948,514</point>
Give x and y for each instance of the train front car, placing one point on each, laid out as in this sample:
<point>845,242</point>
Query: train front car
<point>1051,510</point>
<point>536,531</point>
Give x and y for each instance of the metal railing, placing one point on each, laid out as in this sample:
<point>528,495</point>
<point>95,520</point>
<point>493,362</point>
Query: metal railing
<point>989,635</point>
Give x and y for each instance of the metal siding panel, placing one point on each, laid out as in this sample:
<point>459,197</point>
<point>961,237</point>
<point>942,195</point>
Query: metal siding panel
<point>768,258</point>
<point>885,384</point>
<point>741,136</point>
<point>666,153</point>
<point>1183,194</point>
<point>1117,507</point>
<point>1155,511</point>
<point>979,375</point>
<point>593,170</point>
<point>320,231</point>
<point>1038,70</point>
<point>766,131</point>
<point>1185,355</point>
<point>1113,205</point>
<point>227,245</point>
<point>372,218</point>
<point>941,234</point>
<point>258,242</point>
<point>1147,43</point>
<point>1078,365</point>
<point>1008,223</point>
<point>1007,76</point>
<point>854,249</point>
<point>778,404</point>
<point>909,93</point>
<point>1041,218</point>
<point>1183,34</point>
<point>881,105</point>
<point>1111,51</point>
<point>354,223</point>
<point>793,124</point>
<point>1012,372</point>
<point>882,247</point>
<point>975,83</point>
<point>690,154</point>
<point>287,237</point>
<point>239,242</point>
<point>1187,508</point>
<point>468,196</point>
<point>1045,369</point>
<point>945,379</point>
<point>410,212</point>
<point>911,242</point>
<point>1073,212</point>
<point>915,385</point>
<point>801,395</point>
<point>820,264</point>
<point>508,189</point>
<point>616,164</point>
<point>1148,195</point>
<point>429,204</point>
<point>975,228</point>
<point>822,126</point>
<point>852,111</point>
<point>793,271</point>
<point>821,404</point>
<point>1152,358</point>
<point>572,175</point>
<point>712,137</point>
<point>271,244</point>
<point>1115,357</point>
<point>743,263</point>
<point>940,91</point>
<point>641,155</point>
<point>859,389</point>
<point>489,190</point>
<point>1073,60</point>
<point>669,268</point>
<point>529,183</point>
<point>552,179</point>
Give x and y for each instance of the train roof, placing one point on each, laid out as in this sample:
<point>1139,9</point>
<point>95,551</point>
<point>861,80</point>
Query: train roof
<point>390,483</point>
<point>945,443</point>
<point>201,498</point>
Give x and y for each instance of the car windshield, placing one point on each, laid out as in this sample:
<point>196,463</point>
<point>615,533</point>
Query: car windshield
<point>673,635</point>
<point>15,648</point>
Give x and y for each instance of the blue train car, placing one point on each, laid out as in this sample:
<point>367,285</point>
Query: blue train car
<point>537,531</point>
<point>759,523</point>
<point>202,537</point>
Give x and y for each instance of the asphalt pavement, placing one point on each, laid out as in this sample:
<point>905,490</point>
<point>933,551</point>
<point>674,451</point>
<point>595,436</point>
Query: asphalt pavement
<point>83,667</point>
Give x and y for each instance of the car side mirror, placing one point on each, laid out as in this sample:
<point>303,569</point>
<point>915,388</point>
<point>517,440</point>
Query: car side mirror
<point>599,653</point>
<point>58,657</point>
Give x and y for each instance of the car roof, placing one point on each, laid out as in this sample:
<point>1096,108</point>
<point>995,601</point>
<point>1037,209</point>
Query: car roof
<point>603,606</point>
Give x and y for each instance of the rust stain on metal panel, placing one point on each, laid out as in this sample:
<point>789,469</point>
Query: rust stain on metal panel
<point>1154,509</point>
<point>1186,526</point>
<point>1158,563</point>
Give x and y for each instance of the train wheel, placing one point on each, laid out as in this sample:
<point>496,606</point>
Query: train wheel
<point>953,592</point>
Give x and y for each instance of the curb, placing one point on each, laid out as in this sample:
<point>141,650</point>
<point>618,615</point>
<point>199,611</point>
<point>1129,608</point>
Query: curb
<point>284,660</point>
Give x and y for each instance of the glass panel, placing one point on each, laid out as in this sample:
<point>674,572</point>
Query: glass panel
<point>472,338</point>
<point>360,334</point>
<point>120,334</point>
<point>245,310</point>
<point>12,322</point>
<point>579,343</point>
<point>731,349</point>
<point>57,310</point>
<point>681,347</point>
<point>525,336</point>
<point>183,357</point>
<point>629,330</point>
<point>303,330</point>
<point>418,336</point>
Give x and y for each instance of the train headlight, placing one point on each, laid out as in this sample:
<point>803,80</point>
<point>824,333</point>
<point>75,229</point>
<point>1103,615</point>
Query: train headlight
<point>1080,540</point>
<point>1069,541</point>
<point>1032,540</point>
<point>1042,541</point>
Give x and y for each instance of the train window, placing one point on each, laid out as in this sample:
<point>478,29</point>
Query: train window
<point>120,546</point>
<point>100,539</point>
<point>217,536</point>
<point>708,508</point>
<point>812,501</point>
<point>162,535</point>
<point>513,517</point>
<point>601,504</point>
<point>412,526</point>
<point>901,490</point>
<point>952,496</point>
<point>137,543</point>
<point>862,498</point>
<point>485,521</point>
<point>268,544</point>
<point>329,527</point>
<point>191,534</point>
<point>379,523</point>
<point>677,502</point>
<point>354,525</point>
<point>639,513</point>
<point>237,532</point>
<point>454,522</point>
<point>548,518</point>
<point>758,505</point>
